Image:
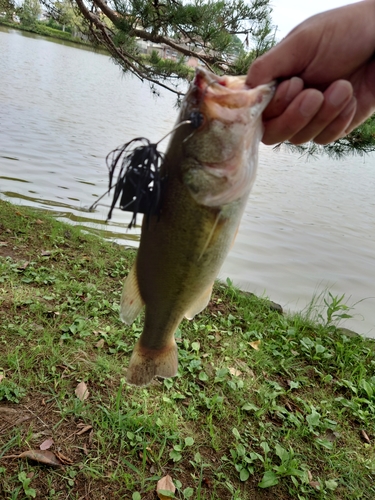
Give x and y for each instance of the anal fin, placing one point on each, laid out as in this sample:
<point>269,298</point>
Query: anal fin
<point>145,364</point>
<point>199,304</point>
<point>131,300</point>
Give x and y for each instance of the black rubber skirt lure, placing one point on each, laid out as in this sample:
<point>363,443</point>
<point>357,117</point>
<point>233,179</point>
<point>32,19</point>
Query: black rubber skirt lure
<point>139,184</point>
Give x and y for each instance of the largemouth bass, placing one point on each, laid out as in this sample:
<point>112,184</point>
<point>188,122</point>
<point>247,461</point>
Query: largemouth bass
<point>210,166</point>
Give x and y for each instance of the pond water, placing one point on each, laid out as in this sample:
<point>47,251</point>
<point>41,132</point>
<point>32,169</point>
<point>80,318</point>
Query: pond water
<point>309,226</point>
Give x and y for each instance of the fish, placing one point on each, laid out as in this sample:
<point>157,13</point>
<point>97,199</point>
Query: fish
<point>209,166</point>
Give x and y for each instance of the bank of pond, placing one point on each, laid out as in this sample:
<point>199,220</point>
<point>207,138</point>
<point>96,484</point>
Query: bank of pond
<point>41,28</point>
<point>265,404</point>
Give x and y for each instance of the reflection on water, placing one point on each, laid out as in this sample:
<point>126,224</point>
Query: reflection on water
<point>308,225</point>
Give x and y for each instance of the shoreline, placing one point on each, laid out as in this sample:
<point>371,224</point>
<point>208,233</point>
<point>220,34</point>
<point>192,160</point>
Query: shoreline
<point>43,30</point>
<point>264,405</point>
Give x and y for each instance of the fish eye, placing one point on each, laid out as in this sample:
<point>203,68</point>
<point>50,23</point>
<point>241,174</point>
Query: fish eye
<point>196,118</point>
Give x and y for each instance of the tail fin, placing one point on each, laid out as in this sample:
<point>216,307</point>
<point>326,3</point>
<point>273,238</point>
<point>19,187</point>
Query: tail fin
<point>145,364</point>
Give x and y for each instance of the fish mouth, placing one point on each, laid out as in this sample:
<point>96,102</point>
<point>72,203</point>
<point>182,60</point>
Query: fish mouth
<point>228,98</point>
<point>225,143</point>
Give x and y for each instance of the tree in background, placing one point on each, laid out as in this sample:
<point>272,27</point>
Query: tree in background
<point>29,12</point>
<point>8,8</point>
<point>65,16</point>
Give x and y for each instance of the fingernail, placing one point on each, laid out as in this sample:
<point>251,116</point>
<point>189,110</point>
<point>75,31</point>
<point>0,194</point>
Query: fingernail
<point>311,104</point>
<point>295,86</point>
<point>338,95</point>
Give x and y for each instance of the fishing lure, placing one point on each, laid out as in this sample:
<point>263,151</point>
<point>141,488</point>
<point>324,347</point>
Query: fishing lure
<point>139,183</point>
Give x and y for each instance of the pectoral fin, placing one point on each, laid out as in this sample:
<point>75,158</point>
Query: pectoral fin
<point>131,300</point>
<point>199,304</point>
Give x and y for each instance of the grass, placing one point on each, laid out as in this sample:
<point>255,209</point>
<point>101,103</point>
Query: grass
<point>265,405</point>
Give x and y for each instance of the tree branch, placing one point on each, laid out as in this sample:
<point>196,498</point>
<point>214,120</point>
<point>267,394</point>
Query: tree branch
<point>115,17</point>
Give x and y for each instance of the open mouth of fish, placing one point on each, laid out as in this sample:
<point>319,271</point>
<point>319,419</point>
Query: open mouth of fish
<point>226,141</point>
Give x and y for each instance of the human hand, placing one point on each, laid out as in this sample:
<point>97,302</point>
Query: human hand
<point>327,70</point>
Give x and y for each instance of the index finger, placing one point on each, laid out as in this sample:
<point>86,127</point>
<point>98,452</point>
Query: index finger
<point>289,58</point>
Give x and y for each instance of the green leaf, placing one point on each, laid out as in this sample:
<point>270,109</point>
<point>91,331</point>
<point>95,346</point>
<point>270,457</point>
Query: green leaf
<point>294,385</point>
<point>221,374</point>
<point>203,376</point>
<point>189,441</point>
<point>314,419</point>
<point>136,496</point>
<point>269,479</point>
<point>265,447</point>
<point>282,453</point>
<point>175,456</point>
<point>367,388</point>
<point>331,484</point>
<point>188,492</point>
<point>249,407</point>
<point>168,383</point>
<point>166,493</point>
<point>244,474</point>
<point>241,451</point>
<point>195,346</point>
<point>236,433</point>
<point>319,348</point>
<point>325,443</point>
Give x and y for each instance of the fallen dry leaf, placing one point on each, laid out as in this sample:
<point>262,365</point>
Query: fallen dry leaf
<point>45,253</point>
<point>82,391</point>
<point>206,482</point>
<point>365,437</point>
<point>43,457</point>
<point>1,377</point>
<point>100,344</point>
<point>63,459</point>
<point>84,429</point>
<point>255,344</point>
<point>165,484</point>
<point>315,485</point>
<point>331,435</point>
<point>46,445</point>
<point>288,407</point>
<point>38,221</point>
<point>235,372</point>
